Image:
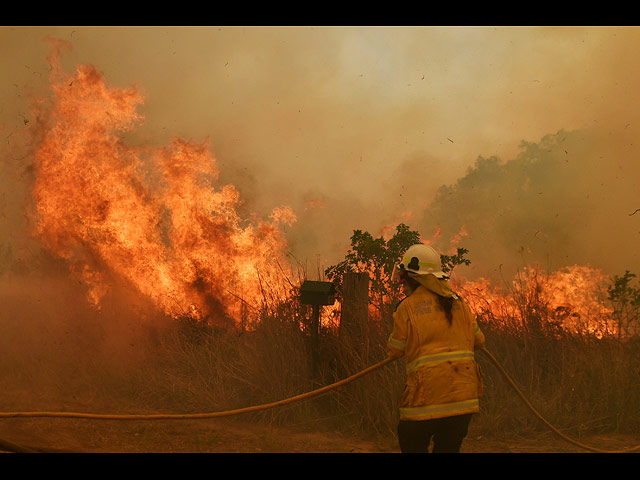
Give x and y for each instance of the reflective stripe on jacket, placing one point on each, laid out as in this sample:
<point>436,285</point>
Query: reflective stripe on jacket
<point>442,375</point>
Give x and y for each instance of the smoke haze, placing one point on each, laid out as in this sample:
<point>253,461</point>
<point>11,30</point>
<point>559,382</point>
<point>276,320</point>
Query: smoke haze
<point>518,144</point>
<point>359,128</point>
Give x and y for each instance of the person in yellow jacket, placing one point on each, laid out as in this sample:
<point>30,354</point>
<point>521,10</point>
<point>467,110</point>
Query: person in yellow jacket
<point>437,334</point>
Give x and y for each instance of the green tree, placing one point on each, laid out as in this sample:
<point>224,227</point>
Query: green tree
<point>378,257</point>
<point>449,262</point>
<point>626,304</point>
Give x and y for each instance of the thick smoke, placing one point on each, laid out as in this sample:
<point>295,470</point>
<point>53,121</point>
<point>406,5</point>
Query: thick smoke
<point>568,199</point>
<point>354,128</point>
<point>519,141</point>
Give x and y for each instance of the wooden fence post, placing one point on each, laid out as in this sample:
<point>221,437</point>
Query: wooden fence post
<point>355,306</point>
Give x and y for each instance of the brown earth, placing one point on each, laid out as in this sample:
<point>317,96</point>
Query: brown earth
<point>237,436</point>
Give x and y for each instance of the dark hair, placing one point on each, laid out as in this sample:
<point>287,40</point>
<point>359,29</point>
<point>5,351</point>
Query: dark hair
<point>447,304</point>
<point>413,283</point>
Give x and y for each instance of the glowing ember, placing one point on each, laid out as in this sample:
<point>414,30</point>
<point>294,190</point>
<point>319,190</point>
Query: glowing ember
<point>150,216</point>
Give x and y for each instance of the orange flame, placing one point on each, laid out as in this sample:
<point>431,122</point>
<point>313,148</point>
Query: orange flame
<point>572,298</point>
<point>387,231</point>
<point>456,239</point>
<point>151,216</point>
<point>436,236</point>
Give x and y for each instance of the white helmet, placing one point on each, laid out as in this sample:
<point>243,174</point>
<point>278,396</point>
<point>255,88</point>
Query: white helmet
<point>422,259</point>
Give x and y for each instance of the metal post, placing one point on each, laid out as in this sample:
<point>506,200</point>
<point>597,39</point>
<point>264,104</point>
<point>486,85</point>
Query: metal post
<point>316,294</point>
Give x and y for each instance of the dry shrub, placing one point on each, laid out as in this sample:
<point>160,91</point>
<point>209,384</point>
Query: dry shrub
<point>57,351</point>
<point>579,382</point>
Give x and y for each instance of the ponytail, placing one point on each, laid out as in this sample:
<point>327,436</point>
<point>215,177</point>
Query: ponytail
<point>447,304</point>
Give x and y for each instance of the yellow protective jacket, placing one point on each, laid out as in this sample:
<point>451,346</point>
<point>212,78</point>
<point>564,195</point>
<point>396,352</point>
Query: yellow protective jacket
<point>443,378</point>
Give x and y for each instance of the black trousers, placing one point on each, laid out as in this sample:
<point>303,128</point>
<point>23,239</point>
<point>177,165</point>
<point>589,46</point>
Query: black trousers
<point>447,433</point>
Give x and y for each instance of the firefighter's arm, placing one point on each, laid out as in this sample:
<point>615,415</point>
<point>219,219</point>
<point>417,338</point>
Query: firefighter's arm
<point>398,338</point>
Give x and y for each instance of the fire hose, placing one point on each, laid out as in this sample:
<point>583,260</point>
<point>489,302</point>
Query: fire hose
<point>541,418</point>
<point>7,446</point>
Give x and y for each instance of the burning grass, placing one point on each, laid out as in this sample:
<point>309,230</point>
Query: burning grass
<point>582,380</point>
<point>60,353</point>
<point>193,309</point>
<point>155,216</point>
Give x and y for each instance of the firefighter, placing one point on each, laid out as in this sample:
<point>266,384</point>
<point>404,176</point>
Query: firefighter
<point>437,334</point>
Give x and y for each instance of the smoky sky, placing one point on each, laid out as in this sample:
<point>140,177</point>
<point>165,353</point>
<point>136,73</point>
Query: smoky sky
<point>366,127</point>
